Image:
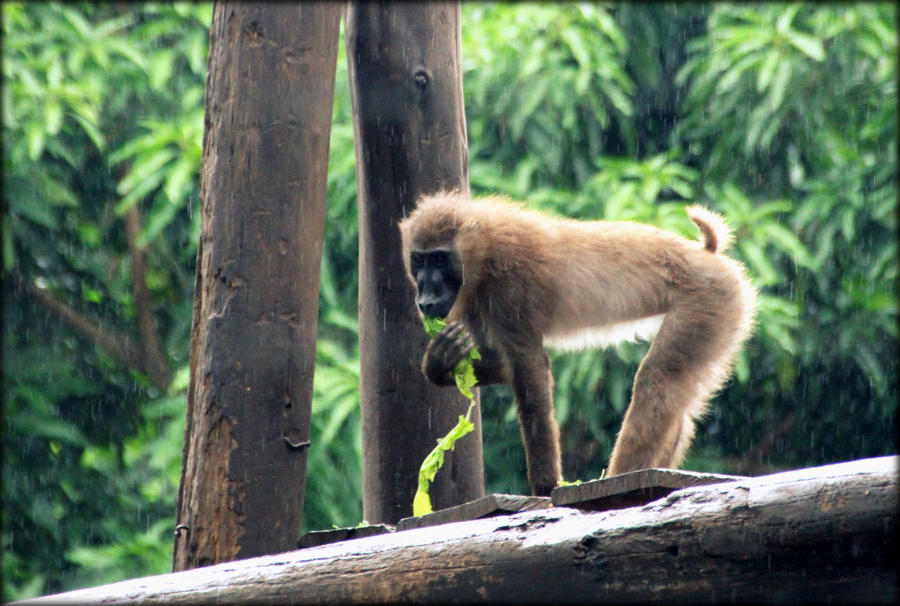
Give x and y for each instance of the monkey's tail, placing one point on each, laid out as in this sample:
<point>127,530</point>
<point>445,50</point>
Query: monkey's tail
<point>715,232</point>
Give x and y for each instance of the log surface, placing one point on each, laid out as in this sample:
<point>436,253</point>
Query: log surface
<point>811,535</point>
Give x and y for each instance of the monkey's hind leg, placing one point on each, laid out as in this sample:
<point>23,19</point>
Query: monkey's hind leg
<point>688,361</point>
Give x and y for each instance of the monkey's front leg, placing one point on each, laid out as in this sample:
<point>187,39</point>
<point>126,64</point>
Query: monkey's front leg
<point>532,383</point>
<point>452,345</point>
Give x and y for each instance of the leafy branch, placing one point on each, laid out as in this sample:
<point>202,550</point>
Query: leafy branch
<point>145,355</point>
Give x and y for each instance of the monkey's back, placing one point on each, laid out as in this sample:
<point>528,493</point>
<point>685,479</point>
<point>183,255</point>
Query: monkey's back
<point>570,277</point>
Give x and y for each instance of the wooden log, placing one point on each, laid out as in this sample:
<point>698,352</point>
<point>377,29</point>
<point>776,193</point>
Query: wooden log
<point>632,488</point>
<point>409,123</point>
<point>825,534</point>
<point>269,98</point>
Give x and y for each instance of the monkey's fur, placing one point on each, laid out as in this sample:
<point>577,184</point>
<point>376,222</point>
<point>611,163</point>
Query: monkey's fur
<point>511,280</point>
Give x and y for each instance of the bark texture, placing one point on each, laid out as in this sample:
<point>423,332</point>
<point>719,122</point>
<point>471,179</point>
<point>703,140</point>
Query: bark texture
<point>409,124</point>
<point>821,535</point>
<point>269,101</point>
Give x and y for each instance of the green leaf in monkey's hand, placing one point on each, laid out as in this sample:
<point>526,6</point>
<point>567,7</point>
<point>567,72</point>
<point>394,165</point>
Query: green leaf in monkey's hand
<point>433,326</point>
<point>464,373</point>
<point>464,376</point>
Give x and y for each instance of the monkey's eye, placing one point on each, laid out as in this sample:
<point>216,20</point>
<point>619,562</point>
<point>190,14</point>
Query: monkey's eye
<point>438,258</point>
<point>416,261</point>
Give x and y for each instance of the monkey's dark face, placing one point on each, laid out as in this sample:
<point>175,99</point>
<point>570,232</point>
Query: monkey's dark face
<point>438,276</point>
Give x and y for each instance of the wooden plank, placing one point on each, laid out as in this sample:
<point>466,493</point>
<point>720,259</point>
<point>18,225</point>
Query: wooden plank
<point>316,538</point>
<point>485,507</point>
<point>632,488</point>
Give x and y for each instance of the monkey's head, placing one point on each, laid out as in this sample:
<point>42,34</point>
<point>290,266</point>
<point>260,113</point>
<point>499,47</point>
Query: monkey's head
<point>430,253</point>
<point>438,275</point>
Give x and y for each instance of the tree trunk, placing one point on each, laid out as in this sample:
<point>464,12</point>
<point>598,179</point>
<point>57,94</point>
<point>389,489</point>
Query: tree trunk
<point>409,124</point>
<point>269,101</point>
<point>822,535</point>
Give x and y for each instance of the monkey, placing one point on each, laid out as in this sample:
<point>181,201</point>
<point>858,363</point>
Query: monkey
<point>511,281</point>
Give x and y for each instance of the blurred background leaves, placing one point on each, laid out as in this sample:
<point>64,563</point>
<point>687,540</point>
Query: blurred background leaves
<point>783,117</point>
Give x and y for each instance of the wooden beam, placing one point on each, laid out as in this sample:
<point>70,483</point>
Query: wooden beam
<point>825,534</point>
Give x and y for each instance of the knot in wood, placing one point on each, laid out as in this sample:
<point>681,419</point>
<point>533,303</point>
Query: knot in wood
<point>421,79</point>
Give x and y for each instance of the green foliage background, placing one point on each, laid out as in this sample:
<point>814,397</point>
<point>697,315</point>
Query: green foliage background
<point>781,116</point>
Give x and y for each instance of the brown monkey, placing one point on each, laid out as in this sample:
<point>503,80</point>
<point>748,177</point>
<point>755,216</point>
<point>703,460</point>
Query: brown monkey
<point>511,280</point>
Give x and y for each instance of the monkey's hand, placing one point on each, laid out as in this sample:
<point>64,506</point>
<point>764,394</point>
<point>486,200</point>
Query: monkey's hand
<point>445,351</point>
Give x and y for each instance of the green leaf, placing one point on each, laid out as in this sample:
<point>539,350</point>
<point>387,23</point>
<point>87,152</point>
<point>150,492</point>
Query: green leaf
<point>36,136</point>
<point>618,99</point>
<point>160,69</point>
<point>116,24</point>
<point>144,168</point>
<point>137,193</point>
<point>810,46</point>
<point>435,460</point>
<point>81,25</point>
<point>786,18</point>
<point>573,39</point>
<point>464,375</point>
<point>759,262</point>
<point>433,326</point>
<point>779,85</point>
<point>91,130</point>
<point>157,220</point>
<point>872,367</point>
<point>533,97</point>
<point>128,50</point>
<point>780,321</point>
<point>178,179</point>
<point>51,429</point>
<point>37,211</point>
<point>422,501</point>
<point>766,70</point>
<point>53,116</point>
<point>732,76</point>
<point>791,244</point>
